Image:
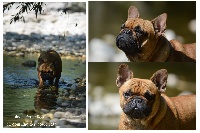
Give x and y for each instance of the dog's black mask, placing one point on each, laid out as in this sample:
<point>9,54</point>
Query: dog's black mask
<point>137,108</point>
<point>46,75</point>
<point>128,42</point>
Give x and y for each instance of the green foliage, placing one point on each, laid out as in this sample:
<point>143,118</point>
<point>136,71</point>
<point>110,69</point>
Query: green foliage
<point>23,7</point>
<point>26,7</point>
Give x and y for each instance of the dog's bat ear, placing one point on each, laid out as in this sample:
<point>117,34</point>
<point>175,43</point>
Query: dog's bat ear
<point>124,74</point>
<point>159,78</point>
<point>133,12</point>
<point>159,23</point>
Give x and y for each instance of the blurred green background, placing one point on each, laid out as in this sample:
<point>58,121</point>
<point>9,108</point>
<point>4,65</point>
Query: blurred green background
<point>106,17</point>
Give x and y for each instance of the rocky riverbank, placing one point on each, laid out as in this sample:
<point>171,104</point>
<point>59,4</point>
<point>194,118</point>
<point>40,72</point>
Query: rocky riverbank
<point>18,45</point>
<point>53,29</point>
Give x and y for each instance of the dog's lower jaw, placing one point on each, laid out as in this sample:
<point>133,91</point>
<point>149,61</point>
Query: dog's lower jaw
<point>159,54</point>
<point>127,123</point>
<point>149,122</point>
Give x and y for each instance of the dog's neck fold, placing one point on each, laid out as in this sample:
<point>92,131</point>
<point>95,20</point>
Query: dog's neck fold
<point>159,112</point>
<point>162,50</point>
<point>160,53</point>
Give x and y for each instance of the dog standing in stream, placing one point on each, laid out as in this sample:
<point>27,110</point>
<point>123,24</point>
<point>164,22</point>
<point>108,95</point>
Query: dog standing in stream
<point>49,68</point>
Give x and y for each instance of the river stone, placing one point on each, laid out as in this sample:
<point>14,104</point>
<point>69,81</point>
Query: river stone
<point>20,54</point>
<point>74,120</point>
<point>81,125</point>
<point>12,53</point>
<point>59,114</point>
<point>47,119</point>
<point>47,116</point>
<point>45,111</point>
<point>66,126</point>
<point>66,104</point>
<point>77,112</point>
<point>83,111</point>
<point>62,123</point>
<point>59,109</point>
<point>29,63</point>
<point>54,120</point>
<point>59,101</point>
<point>68,115</point>
<point>21,47</point>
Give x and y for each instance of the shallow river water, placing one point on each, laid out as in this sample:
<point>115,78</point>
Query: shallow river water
<point>20,83</point>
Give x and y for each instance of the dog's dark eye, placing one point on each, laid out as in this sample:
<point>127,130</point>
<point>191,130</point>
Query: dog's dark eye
<point>127,94</point>
<point>122,26</point>
<point>137,29</point>
<point>148,95</point>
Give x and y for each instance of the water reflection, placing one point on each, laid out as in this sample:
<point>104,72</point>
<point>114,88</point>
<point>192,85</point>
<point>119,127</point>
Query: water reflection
<point>46,97</point>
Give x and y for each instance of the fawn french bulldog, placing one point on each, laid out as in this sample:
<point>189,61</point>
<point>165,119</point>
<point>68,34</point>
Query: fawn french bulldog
<point>144,41</point>
<point>145,106</point>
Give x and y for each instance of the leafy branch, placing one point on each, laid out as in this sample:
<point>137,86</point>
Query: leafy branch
<point>23,7</point>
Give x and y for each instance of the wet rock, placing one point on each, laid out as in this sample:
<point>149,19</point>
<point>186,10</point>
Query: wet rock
<point>68,115</point>
<point>83,111</point>
<point>66,104</point>
<point>47,119</point>
<point>49,115</point>
<point>81,125</point>
<point>62,123</point>
<point>59,109</point>
<point>29,63</point>
<point>45,111</point>
<point>74,120</point>
<point>58,114</point>
<point>20,54</point>
<point>11,53</point>
<point>21,47</point>
<point>67,126</point>
<point>59,101</point>
<point>54,120</point>
<point>36,122</point>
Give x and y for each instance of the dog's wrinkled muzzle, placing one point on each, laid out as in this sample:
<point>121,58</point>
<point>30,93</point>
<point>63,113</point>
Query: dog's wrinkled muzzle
<point>127,42</point>
<point>46,75</point>
<point>136,108</point>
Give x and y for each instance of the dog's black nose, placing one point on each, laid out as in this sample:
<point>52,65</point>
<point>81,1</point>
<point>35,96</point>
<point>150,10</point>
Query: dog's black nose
<point>137,101</point>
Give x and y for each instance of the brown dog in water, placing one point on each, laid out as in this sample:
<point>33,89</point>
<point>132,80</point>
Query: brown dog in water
<point>144,40</point>
<point>145,106</point>
<point>49,67</point>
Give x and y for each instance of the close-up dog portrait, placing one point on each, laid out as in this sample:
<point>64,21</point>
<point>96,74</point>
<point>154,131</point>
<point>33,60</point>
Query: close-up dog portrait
<point>143,40</point>
<point>146,106</point>
<point>142,96</point>
<point>142,31</point>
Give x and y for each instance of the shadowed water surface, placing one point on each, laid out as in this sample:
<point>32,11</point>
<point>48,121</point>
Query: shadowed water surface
<point>20,84</point>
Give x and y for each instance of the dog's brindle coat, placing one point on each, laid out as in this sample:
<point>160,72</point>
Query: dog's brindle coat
<point>144,40</point>
<point>49,67</point>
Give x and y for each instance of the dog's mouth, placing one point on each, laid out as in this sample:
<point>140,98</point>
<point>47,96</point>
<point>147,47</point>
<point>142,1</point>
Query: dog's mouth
<point>136,108</point>
<point>131,40</point>
<point>46,75</point>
